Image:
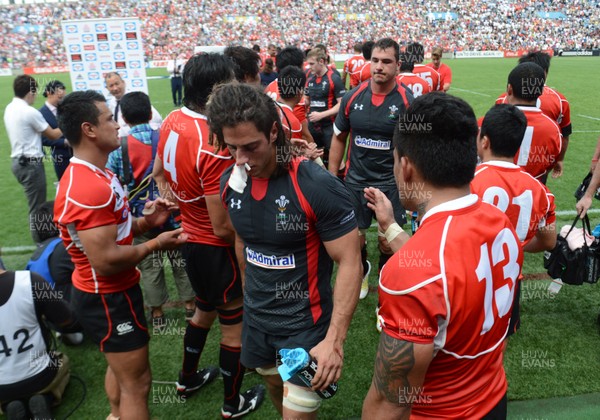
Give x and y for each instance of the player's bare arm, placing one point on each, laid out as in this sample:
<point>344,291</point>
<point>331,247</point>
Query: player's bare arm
<point>557,170</point>
<point>398,376</point>
<point>219,219</point>
<point>164,189</point>
<point>336,150</point>
<point>329,353</point>
<point>241,260</point>
<point>108,258</point>
<point>381,205</point>
<point>306,132</point>
<point>544,239</point>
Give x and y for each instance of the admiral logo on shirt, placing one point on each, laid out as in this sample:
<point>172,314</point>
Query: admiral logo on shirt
<point>318,104</point>
<point>372,144</point>
<point>271,262</point>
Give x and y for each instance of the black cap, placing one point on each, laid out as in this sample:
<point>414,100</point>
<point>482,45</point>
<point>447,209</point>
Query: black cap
<point>52,86</point>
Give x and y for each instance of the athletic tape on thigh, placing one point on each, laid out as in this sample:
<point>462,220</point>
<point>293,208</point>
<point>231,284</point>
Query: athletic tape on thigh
<point>230,316</point>
<point>300,399</point>
<point>267,371</point>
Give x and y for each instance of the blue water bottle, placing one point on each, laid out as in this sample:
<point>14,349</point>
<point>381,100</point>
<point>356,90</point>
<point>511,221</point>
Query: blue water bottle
<point>299,363</point>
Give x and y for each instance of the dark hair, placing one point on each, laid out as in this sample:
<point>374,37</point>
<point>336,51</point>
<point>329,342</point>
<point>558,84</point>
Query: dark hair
<point>256,48</point>
<point>23,84</point>
<point>367,48</point>
<point>245,62</point>
<point>540,58</point>
<point>505,126</point>
<point>136,108</point>
<point>358,47</point>
<point>75,109</point>
<point>268,68</point>
<point>385,43</point>
<point>52,87</point>
<point>527,81</point>
<point>232,104</point>
<point>406,64</point>
<point>289,56</point>
<point>291,81</point>
<point>438,134</point>
<point>44,225</point>
<point>415,52</point>
<point>200,74</point>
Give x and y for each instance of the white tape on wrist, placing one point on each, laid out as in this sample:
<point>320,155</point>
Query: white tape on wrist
<point>392,232</point>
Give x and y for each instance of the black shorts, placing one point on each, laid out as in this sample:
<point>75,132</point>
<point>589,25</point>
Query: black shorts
<point>214,274</point>
<point>114,321</point>
<point>364,215</point>
<point>499,411</point>
<point>322,133</point>
<point>260,350</point>
<point>515,316</point>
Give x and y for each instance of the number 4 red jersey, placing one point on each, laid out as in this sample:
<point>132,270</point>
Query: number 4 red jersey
<point>452,285</point>
<point>193,170</point>
<point>417,85</point>
<point>526,201</point>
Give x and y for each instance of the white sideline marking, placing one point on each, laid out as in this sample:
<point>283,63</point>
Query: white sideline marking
<point>574,212</point>
<point>587,116</point>
<point>586,131</point>
<point>473,92</point>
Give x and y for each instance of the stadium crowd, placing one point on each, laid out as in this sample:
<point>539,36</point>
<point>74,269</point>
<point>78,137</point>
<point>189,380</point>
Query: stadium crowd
<point>30,35</point>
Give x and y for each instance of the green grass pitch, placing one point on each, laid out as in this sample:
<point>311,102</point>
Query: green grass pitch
<point>555,354</point>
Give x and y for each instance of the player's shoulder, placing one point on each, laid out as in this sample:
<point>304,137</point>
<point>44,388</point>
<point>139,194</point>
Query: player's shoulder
<point>315,179</point>
<point>87,186</point>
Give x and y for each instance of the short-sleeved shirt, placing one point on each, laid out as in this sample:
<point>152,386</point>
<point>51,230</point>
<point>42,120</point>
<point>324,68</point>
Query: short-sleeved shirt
<point>541,144</point>
<point>155,121</point>
<point>290,123</point>
<point>445,73</point>
<point>193,169</point>
<point>370,119</point>
<point>365,72</point>
<point>299,110</point>
<point>431,76</point>
<point>417,85</point>
<point>283,223</point>
<point>553,104</point>
<point>353,66</point>
<point>323,92</point>
<point>452,285</point>
<point>89,197</point>
<point>24,125</point>
<point>526,201</point>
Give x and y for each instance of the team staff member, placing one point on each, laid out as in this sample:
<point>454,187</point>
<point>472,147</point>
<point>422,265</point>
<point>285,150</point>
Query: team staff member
<point>175,69</point>
<point>369,114</point>
<point>324,93</point>
<point>498,181</point>
<point>444,70</point>
<point>454,278</point>
<point>295,220</point>
<point>117,88</point>
<point>60,149</point>
<point>25,126</point>
<point>97,229</point>
<point>189,168</point>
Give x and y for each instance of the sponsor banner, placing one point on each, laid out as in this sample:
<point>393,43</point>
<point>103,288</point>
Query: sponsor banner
<point>98,46</point>
<point>519,53</point>
<point>5,72</point>
<point>479,54</point>
<point>158,64</point>
<point>579,53</point>
<point>45,70</point>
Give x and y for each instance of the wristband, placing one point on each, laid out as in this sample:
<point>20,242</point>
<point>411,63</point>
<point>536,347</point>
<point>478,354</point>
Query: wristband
<point>392,232</point>
<point>594,160</point>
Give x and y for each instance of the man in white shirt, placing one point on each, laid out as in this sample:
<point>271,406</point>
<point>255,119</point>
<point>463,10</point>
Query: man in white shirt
<point>175,70</point>
<point>25,126</point>
<point>116,86</point>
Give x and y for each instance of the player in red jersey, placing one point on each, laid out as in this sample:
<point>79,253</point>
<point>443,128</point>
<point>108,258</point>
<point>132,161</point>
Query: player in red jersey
<point>97,228</point>
<point>352,67</point>
<point>430,75</point>
<point>446,294</point>
<point>542,143</point>
<point>364,73</point>
<point>553,104</point>
<point>526,201</point>
<point>291,56</point>
<point>416,84</point>
<point>189,168</point>
<point>444,70</point>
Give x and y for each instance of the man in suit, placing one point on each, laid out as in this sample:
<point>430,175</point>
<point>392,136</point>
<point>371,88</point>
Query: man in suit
<point>61,151</point>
